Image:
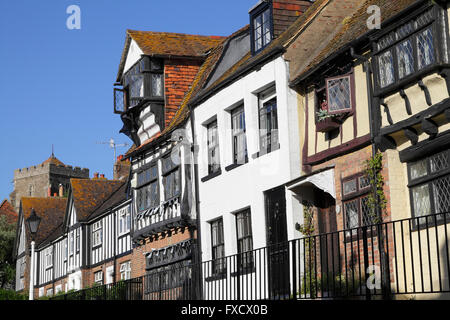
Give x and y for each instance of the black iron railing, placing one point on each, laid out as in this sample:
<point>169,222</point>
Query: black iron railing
<point>409,256</point>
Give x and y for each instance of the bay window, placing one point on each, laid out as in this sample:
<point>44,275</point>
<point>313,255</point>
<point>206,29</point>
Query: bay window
<point>143,81</point>
<point>408,48</point>
<point>171,175</point>
<point>147,193</point>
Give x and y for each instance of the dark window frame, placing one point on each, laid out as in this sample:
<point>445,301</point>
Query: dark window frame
<point>428,180</point>
<point>238,110</point>
<point>218,264</point>
<point>213,168</point>
<point>253,15</point>
<point>170,173</point>
<point>323,90</point>
<point>146,67</point>
<point>246,260</point>
<point>358,195</point>
<point>142,188</point>
<point>418,73</point>
<point>266,98</point>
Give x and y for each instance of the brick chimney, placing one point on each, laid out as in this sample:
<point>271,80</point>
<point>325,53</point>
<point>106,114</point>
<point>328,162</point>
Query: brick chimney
<point>121,168</point>
<point>95,175</point>
<point>285,12</point>
<point>102,176</point>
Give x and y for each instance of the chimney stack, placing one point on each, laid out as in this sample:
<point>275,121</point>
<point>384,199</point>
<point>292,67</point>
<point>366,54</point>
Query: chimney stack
<point>102,176</point>
<point>95,175</point>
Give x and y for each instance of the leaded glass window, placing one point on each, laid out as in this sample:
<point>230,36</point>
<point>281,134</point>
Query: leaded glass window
<point>339,94</point>
<point>429,183</point>
<point>171,175</point>
<point>425,48</point>
<point>411,46</point>
<point>147,194</point>
<point>405,58</point>
<point>355,203</point>
<point>386,67</point>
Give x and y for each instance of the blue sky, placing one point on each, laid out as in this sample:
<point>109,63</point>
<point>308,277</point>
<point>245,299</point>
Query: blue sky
<point>56,84</point>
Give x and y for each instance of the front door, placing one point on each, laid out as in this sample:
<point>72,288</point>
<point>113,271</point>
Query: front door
<point>278,247</point>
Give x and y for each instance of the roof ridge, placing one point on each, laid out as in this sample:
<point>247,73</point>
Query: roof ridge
<point>177,33</point>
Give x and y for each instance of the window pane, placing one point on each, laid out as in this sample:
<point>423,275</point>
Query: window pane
<point>421,200</point>
<point>386,66</point>
<point>418,169</point>
<point>439,162</point>
<point>405,58</point>
<point>425,48</point>
<point>339,94</point>
<point>351,212</point>
<point>368,217</point>
<point>441,191</point>
<point>136,86</point>
<point>157,85</point>
<point>349,186</point>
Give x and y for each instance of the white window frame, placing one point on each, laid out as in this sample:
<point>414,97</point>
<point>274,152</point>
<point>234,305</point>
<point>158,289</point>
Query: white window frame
<point>124,221</point>
<point>97,233</point>
<point>125,270</point>
<point>98,277</point>
<point>49,258</point>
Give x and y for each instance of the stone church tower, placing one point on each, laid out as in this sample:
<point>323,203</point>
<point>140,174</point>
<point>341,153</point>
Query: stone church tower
<point>48,179</point>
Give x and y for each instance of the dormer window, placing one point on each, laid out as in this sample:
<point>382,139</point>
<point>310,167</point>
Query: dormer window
<point>261,26</point>
<point>142,82</point>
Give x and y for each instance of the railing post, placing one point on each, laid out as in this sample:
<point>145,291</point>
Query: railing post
<point>366,260</point>
<point>294,271</point>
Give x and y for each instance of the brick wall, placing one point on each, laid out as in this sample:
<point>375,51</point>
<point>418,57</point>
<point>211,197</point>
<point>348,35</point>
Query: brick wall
<point>138,255</point>
<point>346,166</point>
<point>179,74</point>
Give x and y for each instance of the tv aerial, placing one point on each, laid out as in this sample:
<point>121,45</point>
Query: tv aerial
<point>114,145</point>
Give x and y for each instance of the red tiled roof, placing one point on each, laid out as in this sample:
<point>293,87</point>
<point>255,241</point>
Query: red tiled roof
<point>183,111</point>
<point>50,210</point>
<point>53,160</point>
<point>173,44</point>
<point>89,194</point>
<point>7,210</point>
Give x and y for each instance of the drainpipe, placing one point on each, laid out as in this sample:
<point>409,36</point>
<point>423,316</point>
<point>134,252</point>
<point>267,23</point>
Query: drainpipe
<point>198,253</point>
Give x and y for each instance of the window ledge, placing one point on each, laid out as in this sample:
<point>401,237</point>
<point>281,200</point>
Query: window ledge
<point>234,165</point>
<point>244,271</point>
<point>259,154</point>
<point>212,175</point>
<point>218,276</point>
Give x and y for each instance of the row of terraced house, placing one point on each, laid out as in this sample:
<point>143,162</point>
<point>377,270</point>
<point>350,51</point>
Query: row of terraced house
<point>306,155</point>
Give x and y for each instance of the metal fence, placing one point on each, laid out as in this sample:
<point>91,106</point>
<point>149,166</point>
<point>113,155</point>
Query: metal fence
<point>385,260</point>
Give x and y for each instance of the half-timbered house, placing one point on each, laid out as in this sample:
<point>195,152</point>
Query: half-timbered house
<point>155,78</point>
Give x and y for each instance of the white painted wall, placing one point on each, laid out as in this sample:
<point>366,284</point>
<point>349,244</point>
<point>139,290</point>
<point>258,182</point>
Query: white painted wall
<point>134,54</point>
<point>244,186</point>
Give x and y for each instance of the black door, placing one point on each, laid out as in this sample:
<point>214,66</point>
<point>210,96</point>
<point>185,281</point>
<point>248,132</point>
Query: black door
<point>278,254</point>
